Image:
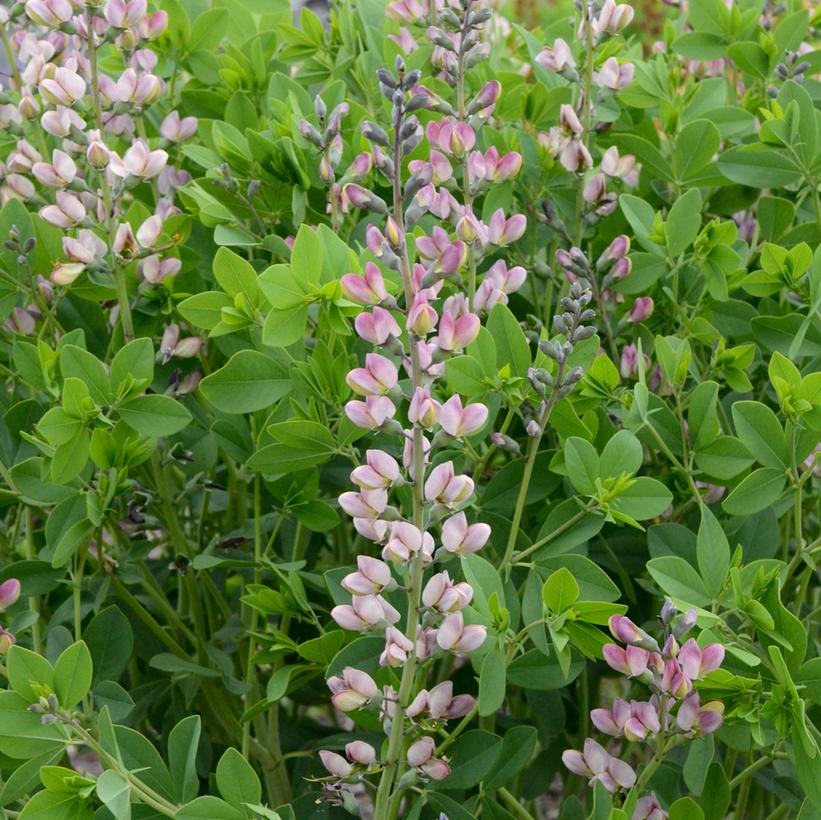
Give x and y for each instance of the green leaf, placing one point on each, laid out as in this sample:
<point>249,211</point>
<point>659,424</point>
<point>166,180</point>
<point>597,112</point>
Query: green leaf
<point>594,583</point>
<point>518,746</point>
<point>582,463</point>
<point>237,781</point>
<point>715,794</point>
<point>27,669</point>
<point>492,681</point>
<point>110,640</point>
<point>696,144</point>
<point>283,328</point>
<point>683,222</point>
<point>236,276</point>
<point>762,434</point>
<point>249,381</point>
<point>511,345</point>
<point>679,580</point>
<point>204,309</point>
<point>72,675</point>
<point>114,791</point>
<point>472,757</point>
<point>307,255</point>
<point>724,458</point>
<point>758,167</point>
<point>154,415</point>
<point>644,498</point>
<point>685,808</point>
<point>80,364</point>
<point>136,359</point>
<point>713,552</point>
<point>183,742</point>
<point>758,491</point>
<point>621,454</point>
<point>56,806</point>
<point>208,808</point>
<point>560,590</point>
<point>699,756</point>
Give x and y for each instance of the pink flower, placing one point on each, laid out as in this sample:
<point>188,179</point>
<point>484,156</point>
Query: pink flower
<point>371,578</point>
<point>421,757</point>
<point>423,408</point>
<point>457,333</point>
<point>461,421</point>
<point>368,289</point>
<point>176,129</point>
<point>445,487</point>
<point>139,161</point>
<point>454,636</point>
<point>422,317</point>
<point>59,173</point>
<point>65,88</point>
<point>459,537</point>
<point>377,327</point>
<point>613,18</point>
<point>124,13</point>
<point>614,75</point>
<point>405,542</point>
<point>556,58</point>
<point>364,612</point>
<point>441,594</point>
<point>648,808</point>
<point>378,377</point>
<point>68,211</point>
<point>451,137</point>
<point>52,13</point>
<point>335,764</point>
<point>695,719</point>
<point>66,272</point>
<point>149,232</point>
<point>9,593</point>
<point>642,309</point>
<point>360,752</point>
<point>7,640</point>
<point>696,662</point>
<point>397,648</point>
<point>635,720</point>
<point>365,504</point>
<point>503,231</point>
<point>352,690</point>
<point>371,413</point>
<point>379,472</point>
<point>596,764</point>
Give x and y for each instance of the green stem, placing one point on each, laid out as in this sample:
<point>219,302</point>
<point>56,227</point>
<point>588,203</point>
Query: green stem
<point>250,668</point>
<point>34,600</point>
<point>514,805</point>
<point>747,773</point>
<point>532,450</point>
<point>140,789</point>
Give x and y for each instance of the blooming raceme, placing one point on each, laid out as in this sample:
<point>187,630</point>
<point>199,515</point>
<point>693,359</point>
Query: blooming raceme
<point>434,320</point>
<point>673,712</point>
<point>95,160</point>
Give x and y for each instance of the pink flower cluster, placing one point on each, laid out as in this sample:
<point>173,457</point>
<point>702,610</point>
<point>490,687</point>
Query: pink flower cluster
<point>92,119</point>
<point>673,713</point>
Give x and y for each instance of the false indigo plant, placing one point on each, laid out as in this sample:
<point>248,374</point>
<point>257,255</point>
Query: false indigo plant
<point>412,412</point>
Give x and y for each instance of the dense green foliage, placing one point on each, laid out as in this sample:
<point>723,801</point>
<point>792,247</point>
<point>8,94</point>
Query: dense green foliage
<point>212,219</point>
